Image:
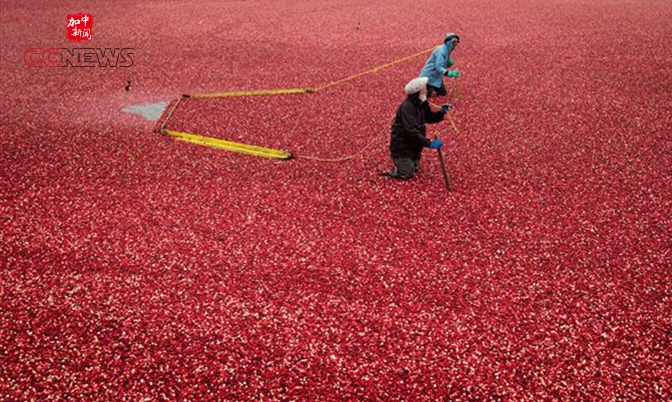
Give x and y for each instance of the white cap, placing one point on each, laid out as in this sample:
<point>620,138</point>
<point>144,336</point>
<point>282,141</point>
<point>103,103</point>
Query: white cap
<point>416,85</point>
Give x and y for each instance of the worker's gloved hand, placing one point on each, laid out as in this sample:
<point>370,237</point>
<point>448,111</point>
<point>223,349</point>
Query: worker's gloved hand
<point>445,107</point>
<point>436,144</point>
<point>452,74</point>
<point>451,62</point>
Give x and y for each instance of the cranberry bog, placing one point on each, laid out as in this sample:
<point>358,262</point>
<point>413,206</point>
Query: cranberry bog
<point>135,267</point>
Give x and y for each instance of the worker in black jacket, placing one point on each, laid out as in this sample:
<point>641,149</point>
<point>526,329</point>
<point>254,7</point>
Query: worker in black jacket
<point>408,136</point>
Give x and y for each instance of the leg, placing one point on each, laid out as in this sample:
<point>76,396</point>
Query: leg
<point>442,91</point>
<point>430,90</point>
<point>404,168</point>
<point>416,163</point>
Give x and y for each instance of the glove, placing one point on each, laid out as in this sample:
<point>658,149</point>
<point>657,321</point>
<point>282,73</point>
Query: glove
<point>436,144</point>
<point>452,74</point>
<point>451,62</point>
<point>445,107</point>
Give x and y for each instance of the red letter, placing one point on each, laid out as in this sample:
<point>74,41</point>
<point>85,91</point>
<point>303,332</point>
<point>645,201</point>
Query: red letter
<point>53,58</point>
<point>34,62</point>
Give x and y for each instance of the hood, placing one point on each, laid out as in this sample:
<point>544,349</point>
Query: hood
<point>416,85</point>
<point>451,37</point>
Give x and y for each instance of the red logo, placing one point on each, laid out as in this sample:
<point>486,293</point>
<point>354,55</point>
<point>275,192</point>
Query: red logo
<point>36,57</point>
<point>79,27</point>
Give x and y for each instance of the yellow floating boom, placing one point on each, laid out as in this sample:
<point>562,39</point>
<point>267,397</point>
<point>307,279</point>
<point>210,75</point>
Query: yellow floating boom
<point>254,93</point>
<point>230,146</point>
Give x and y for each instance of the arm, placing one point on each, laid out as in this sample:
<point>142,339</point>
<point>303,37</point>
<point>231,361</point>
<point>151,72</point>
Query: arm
<point>430,116</point>
<point>442,61</point>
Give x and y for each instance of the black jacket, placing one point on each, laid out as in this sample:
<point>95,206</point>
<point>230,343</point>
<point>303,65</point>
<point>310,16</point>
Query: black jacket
<point>408,130</point>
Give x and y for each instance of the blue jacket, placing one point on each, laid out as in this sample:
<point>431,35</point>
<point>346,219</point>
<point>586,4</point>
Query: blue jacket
<point>437,64</point>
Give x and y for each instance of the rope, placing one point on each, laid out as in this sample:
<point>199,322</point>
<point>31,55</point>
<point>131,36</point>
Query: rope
<point>255,93</point>
<point>345,158</point>
<point>373,70</point>
<point>272,153</point>
<point>340,159</point>
<point>163,126</point>
<point>452,122</point>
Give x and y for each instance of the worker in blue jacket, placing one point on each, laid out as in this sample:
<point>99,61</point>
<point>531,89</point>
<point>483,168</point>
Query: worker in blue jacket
<point>437,66</point>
